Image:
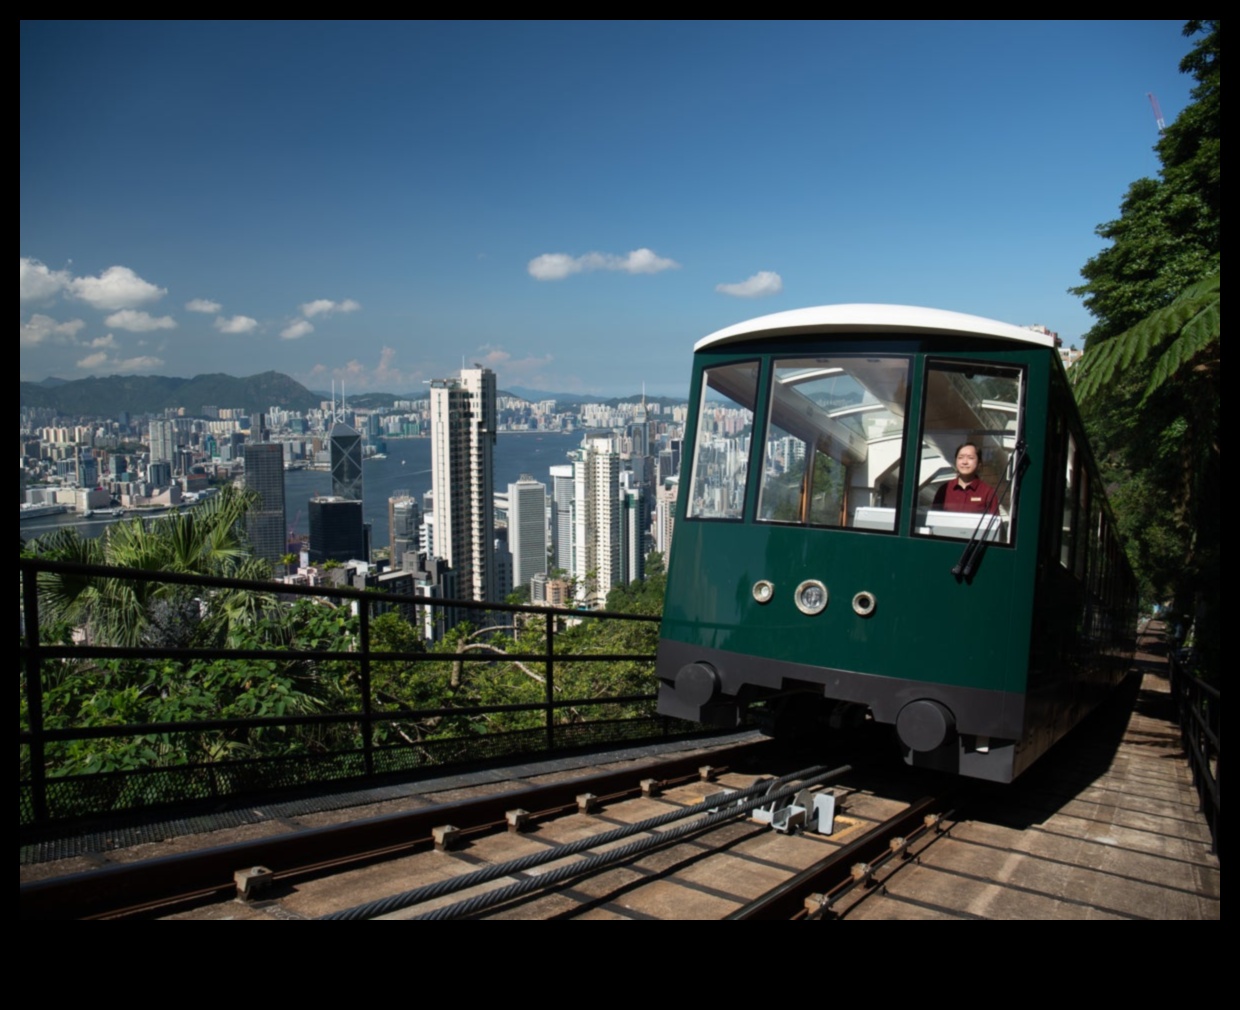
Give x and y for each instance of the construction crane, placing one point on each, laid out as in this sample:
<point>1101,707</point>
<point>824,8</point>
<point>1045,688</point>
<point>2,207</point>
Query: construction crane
<point>1158,117</point>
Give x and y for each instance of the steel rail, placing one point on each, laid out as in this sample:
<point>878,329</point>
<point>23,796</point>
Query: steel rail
<point>440,888</point>
<point>604,860</point>
<point>834,874</point>
<point>136,888</point>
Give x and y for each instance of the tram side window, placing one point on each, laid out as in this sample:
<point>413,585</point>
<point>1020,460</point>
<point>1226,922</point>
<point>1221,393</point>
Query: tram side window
<point>971,423</point>
<point>721,449</point>
<point>834,442</point>
<point>1072,483</point>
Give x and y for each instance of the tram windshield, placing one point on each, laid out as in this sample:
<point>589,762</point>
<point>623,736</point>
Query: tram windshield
<point>724,431</point>
<point>834,442</point>
<point>970,427</point>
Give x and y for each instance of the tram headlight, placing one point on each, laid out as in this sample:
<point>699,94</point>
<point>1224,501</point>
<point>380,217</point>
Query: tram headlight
<point>811,597</point>
<point>763,591</point>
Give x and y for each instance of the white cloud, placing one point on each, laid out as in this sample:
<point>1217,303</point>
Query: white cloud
<point>138,364</point>
<point>387,375</point>
<point>93,360</point>
<point>644,261</point>
<point>203,305</point>
<point>100,361</point>
<point>297,329</point>
<point>527,371</point>
<point>322,306</point>
<point>557,266</point>
<point>115,288</point>
<point>139,322</point>
<point>38,283</point>
<point>108,341</point>
<point>760,285</point>
<point>44,329</point>
<point>237,324</point>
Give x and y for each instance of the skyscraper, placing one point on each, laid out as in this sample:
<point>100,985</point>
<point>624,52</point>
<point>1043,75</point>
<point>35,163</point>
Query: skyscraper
<point>562,517</point>
<point>527,529</point>
<point>163,441</point>
<point>346,456</point>
<point>462,448</point>
<point>597,543</point>
<point>336,530</point>
<point>264,473</point>
<point>404,518</point>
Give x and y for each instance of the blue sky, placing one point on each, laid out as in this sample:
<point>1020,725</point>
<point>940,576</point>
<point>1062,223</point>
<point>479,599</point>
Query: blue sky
<point>573,204</point>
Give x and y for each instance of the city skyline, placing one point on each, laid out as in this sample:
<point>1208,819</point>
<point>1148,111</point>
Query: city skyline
<point>373,203</point>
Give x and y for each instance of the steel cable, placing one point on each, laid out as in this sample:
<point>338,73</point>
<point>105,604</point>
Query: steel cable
<point>427,892</point>
<point>604,859</point>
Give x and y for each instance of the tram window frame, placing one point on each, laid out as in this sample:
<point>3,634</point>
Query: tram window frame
<point>1072,471</point>
<point>736,511</point>
<point>834,433</point>
<point>987,437</point>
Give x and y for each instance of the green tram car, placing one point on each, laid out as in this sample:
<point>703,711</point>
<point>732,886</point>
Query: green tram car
<point>816,568</point>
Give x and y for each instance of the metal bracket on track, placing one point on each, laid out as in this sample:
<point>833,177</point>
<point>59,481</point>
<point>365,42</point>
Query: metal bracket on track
<point>808,811</point>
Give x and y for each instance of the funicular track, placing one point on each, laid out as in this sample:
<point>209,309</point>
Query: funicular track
<point>536,852</point>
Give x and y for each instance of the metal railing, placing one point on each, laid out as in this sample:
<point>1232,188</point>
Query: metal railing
<point>1200,708</point>
<point>176,772</point>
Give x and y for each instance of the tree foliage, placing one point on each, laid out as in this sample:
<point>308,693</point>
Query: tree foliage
<point>207,540</point>
<point>1179,336</point>
<point>1149,382</point>
<point>427,699</point>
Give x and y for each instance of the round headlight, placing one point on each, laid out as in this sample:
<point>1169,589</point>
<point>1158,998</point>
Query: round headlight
<point>811,597</point>
<point>763,591</point>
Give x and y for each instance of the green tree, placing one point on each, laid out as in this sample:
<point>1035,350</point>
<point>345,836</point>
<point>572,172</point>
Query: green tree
<point>207,540</point>
<point>1149,382</point>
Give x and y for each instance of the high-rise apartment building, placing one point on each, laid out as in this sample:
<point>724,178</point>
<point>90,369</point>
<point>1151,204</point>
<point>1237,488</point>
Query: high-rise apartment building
<point>264,473</point>
<point>597,532</point>
<point>527,529</point>
<point>163,441</point>
<point>345,445</point>
<point>665,516</point>
<point>634,524</point>
<point>463,428</point>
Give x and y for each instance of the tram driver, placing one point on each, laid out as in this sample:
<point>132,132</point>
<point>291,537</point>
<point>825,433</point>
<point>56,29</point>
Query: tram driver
<point>967,492</point>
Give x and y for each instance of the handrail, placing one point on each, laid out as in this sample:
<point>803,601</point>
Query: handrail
<point>371,711</point>
<point>1200,709</point>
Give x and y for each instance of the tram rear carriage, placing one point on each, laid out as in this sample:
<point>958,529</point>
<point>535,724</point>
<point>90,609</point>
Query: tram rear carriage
<point>810,560</point>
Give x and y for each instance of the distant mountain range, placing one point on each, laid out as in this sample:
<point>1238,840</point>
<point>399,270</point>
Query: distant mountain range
<point>113,395</point>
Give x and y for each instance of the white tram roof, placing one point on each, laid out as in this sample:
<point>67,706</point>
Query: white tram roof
<point>876,319</point>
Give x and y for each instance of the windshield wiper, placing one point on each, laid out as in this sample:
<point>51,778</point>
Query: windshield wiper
<point>971,557</point>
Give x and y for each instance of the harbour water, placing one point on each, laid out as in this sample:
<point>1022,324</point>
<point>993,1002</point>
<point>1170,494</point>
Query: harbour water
<point>407,467</point>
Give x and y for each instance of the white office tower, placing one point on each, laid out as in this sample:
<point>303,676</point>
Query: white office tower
<point>462,447</point>
<point>562,492</point>
<point>597,534</point>
<point>527,529</point>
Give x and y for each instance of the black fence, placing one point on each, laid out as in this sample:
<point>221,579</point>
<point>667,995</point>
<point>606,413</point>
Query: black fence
<point>1200,708</point>
<point>106,728</point>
